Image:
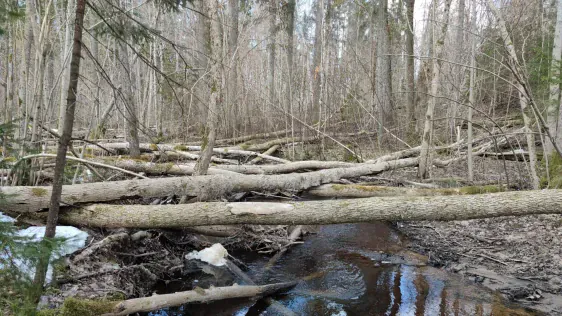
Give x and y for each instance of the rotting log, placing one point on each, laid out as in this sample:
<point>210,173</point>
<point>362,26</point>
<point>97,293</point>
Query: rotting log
<point>361,190</point>
<point>418,208</point>
<point>199,295</point>
<point>30,199</point>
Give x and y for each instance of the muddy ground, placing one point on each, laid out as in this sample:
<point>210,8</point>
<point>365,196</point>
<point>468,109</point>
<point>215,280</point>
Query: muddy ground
<point>518,256</point>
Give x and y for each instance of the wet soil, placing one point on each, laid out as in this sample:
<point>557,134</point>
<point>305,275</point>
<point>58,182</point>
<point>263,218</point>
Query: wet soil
<point>518,256</point>
<point>356,269</point>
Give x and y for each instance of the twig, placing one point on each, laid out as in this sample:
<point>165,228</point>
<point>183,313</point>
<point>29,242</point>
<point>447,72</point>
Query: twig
<point>493,259</point>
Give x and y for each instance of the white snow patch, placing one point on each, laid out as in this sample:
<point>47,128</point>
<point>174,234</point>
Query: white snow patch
<point>214,255</point>
<point>6,218</point>
<point>74,239</point>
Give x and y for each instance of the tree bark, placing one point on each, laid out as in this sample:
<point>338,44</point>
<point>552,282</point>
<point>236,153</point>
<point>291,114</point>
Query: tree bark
<point>457,71</point>
<point>554,100</point>
<point>210,132</point>
<point>290,32</point>
<point>129,101</point>
<point>232,82</point>
<point>316,75</point>
<point>530,136</point>
<point>155,302</point>
<point>64,61</point>
<point>441,208</point>
<point>471,99</point>
<point>425,157</point>
<point>32,199</point>
<point>410,71</point>
<point>383,80</point>
<point>64,141</point>
<point>365,190</point>
<point>272,8</point>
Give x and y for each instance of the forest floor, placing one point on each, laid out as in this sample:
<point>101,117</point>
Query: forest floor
<point>518,256</point>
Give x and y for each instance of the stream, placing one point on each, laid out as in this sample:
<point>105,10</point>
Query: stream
<point>353,269</point>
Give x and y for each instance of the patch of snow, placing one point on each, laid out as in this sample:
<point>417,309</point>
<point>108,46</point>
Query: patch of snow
<point>74,239</point>
<point>214,255</point>
<point>6,218</point>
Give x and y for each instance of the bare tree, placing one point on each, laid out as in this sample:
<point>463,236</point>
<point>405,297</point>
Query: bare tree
<point>554,100</point>
<point>130,109</point>
<point>232,82</point>
<point>65,138</point>
<point>425,157</point>
<point>383,77</point>
<point>316,75</point>
<point>410,72</point>
<point>210,132</point>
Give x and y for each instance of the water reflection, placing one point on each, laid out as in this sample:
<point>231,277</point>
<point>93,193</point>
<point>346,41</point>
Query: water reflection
<point>360,269</point>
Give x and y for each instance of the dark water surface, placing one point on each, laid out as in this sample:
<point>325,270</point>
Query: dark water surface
<point>356,269</point>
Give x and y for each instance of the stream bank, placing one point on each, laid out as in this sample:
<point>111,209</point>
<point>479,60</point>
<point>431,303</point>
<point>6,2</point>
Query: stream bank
<point>516,256</point>
<point>352,269</point>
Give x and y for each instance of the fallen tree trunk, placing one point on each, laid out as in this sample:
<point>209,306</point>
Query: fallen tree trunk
<point>199,295</point>
<point>241,139</point>
<point>442,208</point>
<point>360,191</point>
<point>270,151</point>
<point>151,168</point>
<point>287,140</point>
<point>30,199</point>
<point>181,149</point>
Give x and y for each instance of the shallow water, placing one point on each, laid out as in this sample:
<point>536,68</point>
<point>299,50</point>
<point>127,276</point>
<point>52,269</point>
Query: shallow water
<point>357,269</point>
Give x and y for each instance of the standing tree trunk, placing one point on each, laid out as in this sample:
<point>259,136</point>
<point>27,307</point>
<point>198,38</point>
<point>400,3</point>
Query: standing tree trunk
<point>271,49</point>
<point>524,95</point>
<point>425,155</point>
<point>316,75</point>
<point>410,71</point>
<point>471,99</point>
<point>290,30</point>
<point>209,137</point>
<point>129,101</point>
<point>554,101</point>
<point>383,80</point>
<point>530,137</point>
<point>458,71</point>
<point>232,82</point>
<point>64,141</point>
<point>67,42</point>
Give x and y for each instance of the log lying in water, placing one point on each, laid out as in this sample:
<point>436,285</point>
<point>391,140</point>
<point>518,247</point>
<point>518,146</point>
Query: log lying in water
<point>199,295</point>
<point>445,208</point>
<point>32,199</point>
